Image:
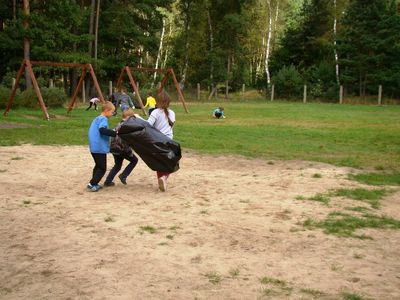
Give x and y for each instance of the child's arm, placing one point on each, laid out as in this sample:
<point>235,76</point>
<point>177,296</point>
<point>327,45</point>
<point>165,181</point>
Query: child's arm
<point>107,132</point>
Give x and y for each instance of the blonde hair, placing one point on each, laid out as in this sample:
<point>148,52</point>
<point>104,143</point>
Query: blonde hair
<point>108,106</point>
<point>128,113</point>
<point>163,100</point>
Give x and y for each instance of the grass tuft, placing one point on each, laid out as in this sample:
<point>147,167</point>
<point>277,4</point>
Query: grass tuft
<point>17,158</point>
<point>377,178</point>
<point>317,175</point>
<point>213,277</point>
<point>344,225</point>
<point>109,219</point>
<point>312,292</point>
<point>148,228</point>
<point>372,197</point>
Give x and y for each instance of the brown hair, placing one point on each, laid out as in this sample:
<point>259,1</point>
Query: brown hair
<point>163,101</point>
<point>108,106</point>
<point>128,113</point>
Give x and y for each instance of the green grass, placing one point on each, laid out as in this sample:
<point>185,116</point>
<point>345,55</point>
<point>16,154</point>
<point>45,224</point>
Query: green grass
<point>346,135</point>
<point>312,292</point>
<point>213,277</point>
<point>317,197</point>
<point>108,219</point>
<point>148,228</point>
<point>353,296</point>
<point>377,178</point>
<point>372,197</point>
<point>344,225</point>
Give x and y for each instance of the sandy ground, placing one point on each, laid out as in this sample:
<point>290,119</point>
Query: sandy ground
<point>223,225</point>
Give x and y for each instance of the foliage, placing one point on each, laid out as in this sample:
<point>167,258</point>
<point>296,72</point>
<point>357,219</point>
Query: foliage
<point>288,82</point>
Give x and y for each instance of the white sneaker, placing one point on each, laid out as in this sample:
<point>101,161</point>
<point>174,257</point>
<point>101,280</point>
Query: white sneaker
<point>162,183</point>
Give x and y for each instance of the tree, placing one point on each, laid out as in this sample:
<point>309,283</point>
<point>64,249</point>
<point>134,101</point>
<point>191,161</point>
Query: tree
<point>369,45</point>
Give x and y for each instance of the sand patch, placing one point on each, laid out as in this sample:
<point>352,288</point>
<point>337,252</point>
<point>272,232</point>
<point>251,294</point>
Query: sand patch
<point>224,224</point>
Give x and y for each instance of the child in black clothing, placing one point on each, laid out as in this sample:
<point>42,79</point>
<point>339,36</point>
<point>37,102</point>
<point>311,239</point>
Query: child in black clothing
<point>121,150</point>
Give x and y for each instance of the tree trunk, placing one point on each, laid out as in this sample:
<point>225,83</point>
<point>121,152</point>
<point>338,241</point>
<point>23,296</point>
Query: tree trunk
<point>96,32</point>
<point>28,81</point>
<point>335,43</point>
<point>14,10</point>
<point>164,63</point>
<point>159,53</point>
<point>228,71</point>
<point>90,50</point>
<point>186,62</point>
<point>211,35</point>
<point>267,51</point>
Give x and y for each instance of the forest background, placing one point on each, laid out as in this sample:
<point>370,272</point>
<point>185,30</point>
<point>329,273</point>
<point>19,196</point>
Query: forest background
<point>221,44</point>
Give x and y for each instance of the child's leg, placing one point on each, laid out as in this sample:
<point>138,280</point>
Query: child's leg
<point>161,174</point>
<point>90,105</point>
<point>118,159</point>
<point>162,180</point>
<point>129,168</point>
<point>100,167</point>
<point>95,106</point>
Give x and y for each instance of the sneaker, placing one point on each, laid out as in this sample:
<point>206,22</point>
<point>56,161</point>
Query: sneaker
<point>123,179</point>
<point>95,188</point>
<point>162,183</point>
<point>109,183</point>
<point>89,186</point>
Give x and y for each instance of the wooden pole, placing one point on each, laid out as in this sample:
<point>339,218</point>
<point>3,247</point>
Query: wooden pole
<point>121,76</point>
<point>28,81</point>
<point>110,90</point>
<point>13,83</point>
<point>171,71</point>
<point>81,83</point>
<point>83,91</point>
<point>96,84</point>
<point>341,94</point>
<point>272,92</point>
<point>198,92</point>
<point>305,94</point>
<point>51,83</point>
<point>14,89</point>
<point>380,95</point>
<point>243,88</point>
<point>37,90</point>
<point>133,84</point>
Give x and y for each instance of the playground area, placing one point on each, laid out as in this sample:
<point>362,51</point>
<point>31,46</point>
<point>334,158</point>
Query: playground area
<point>228,228</point>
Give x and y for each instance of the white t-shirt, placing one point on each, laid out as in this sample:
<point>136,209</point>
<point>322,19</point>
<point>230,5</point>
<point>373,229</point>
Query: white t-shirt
<point>159,120</point>
<point>94,100</point>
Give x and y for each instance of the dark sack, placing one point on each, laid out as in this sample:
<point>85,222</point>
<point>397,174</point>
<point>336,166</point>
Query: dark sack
<point>159,152</point>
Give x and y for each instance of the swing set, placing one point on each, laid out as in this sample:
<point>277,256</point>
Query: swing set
<point>28,64</point>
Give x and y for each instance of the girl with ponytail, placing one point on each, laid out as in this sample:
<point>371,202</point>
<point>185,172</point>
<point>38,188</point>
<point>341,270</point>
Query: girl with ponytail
<point>163,119</point>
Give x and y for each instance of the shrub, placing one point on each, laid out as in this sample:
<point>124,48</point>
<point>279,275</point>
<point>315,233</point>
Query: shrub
<point>288,82</point>
<point>52,97</point>
<point>5,94</point>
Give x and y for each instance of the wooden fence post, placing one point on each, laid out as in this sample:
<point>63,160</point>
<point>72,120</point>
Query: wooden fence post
<point>243,88</point>
<point>305,94</point>
<point>272,92</point>
<point>110,84</point>
<point>380,95</point>
<point>341,94</point>
<point>13,83</point>
<point>198,91</point>
<point>83,92</point>
<point>51,83</point>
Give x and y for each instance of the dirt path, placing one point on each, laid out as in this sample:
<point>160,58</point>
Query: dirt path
<point>223,225</point>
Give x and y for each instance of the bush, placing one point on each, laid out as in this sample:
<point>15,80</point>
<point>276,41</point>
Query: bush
<point>288,82</point>
<point>52,97</point>
<point>5,95</point>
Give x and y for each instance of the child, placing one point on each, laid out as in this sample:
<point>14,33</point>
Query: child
<point>121,150</point>
<point>94,102</point>
<point>151,103</point>
<point>99,146</point>
<point>218,113</point>
<point>163,119</point>
<point>124,100</point>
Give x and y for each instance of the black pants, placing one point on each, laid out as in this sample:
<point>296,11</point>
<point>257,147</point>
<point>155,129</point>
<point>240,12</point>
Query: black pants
<point>90,105</point>
<point>119,159</point>
<point>100,167</point>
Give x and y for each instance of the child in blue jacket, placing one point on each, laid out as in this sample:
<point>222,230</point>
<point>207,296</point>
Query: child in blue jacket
<point>99,144</point>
